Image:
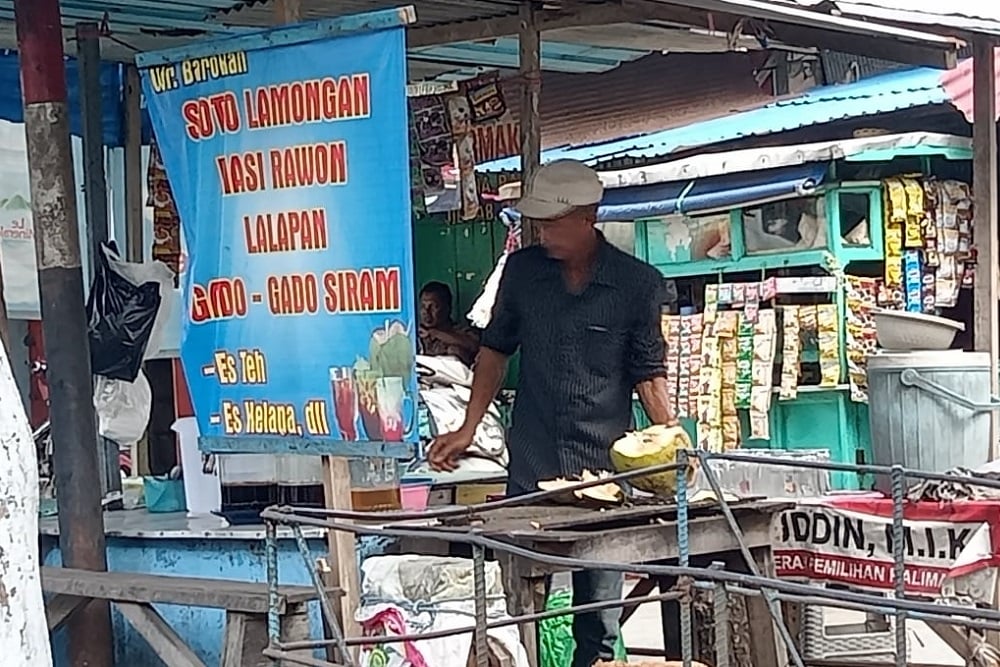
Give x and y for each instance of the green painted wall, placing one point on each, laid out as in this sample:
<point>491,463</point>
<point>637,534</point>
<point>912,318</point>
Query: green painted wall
<point>461,255</point>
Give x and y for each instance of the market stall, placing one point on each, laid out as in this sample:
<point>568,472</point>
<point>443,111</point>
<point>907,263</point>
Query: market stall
<point>777,272</point>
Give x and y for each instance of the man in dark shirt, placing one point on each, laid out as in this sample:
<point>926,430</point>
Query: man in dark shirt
<point>586,318</point>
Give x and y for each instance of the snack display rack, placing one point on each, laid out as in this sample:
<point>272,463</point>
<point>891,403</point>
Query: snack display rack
<point>768,340</point>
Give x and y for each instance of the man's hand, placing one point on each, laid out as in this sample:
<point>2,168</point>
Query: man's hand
<point>447,449</point>
<point>446,337</point>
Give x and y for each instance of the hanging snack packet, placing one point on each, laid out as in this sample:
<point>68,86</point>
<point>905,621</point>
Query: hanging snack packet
<point>764,344</point>
<point>829,345</point>
<point>744,361</point>
<point>913,277</point>
<point>678,345</point>
<point>791,348</point>
<point>711,302</point>
<point>694,365</point>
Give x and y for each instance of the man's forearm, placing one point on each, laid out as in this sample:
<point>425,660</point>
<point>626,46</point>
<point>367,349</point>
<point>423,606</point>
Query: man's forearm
<point>655,397</point>
<point>469,344</point>
<point>491,366</point>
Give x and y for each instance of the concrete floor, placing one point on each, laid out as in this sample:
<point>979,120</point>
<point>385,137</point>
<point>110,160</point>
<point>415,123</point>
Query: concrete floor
<point>644,630</point>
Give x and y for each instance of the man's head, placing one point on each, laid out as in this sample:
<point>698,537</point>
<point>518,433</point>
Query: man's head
<point>435,305</point>
<point>563,198</point>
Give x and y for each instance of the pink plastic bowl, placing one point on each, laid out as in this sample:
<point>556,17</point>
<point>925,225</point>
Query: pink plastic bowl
<point>414,497</point>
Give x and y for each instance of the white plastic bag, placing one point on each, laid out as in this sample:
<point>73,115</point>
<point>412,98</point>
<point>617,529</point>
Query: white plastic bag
<point>123,408</point>
<point>482,310</point>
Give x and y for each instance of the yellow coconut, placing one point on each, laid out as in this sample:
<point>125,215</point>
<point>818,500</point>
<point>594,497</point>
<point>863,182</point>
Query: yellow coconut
<point>655,445</point>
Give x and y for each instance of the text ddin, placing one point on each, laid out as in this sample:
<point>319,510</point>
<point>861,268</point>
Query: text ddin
<point>316,418</point>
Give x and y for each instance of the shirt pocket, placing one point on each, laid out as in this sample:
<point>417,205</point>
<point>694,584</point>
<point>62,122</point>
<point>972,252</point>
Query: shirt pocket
<point>603,349</point>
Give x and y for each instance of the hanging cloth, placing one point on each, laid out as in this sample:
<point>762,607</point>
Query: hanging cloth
<point>482,309</point>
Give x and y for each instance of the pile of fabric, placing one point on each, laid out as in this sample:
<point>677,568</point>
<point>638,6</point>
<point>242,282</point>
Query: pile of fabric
<point>445,389</point>
<point>955,490</point>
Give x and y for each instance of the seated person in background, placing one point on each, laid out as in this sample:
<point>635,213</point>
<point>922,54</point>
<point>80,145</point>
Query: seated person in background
<point>439,335</point>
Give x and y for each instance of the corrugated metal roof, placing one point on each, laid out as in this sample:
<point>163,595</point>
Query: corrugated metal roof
<point>587,108</point>
<point>710,165</point>
<point>967,15</point>
<point>881,94</point>
<point>142,25</point>
<point>130,17</point>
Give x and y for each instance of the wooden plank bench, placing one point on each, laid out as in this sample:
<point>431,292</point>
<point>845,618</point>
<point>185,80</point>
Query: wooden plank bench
<point>245,604</point>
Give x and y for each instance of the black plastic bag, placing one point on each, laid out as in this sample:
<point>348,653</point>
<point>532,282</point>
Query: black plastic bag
<point>121,316</point>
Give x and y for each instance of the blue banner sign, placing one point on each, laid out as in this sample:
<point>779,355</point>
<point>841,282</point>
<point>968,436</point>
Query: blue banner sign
<point>288,155</point>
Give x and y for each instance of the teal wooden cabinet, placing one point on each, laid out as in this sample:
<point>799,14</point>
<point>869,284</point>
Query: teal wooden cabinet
<point>822,420</point>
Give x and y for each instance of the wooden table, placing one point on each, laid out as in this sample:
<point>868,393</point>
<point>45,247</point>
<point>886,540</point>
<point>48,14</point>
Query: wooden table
<point>642,534</point>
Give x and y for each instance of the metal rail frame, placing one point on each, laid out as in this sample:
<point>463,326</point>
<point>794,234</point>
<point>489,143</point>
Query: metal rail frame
<point>720,582</point>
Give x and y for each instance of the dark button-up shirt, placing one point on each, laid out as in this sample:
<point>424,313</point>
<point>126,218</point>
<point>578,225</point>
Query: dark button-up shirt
<point>581,357</point>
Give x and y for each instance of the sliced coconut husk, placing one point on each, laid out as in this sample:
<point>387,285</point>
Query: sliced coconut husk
<point>603,494</point>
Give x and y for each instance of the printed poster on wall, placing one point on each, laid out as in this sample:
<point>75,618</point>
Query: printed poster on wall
<point>17,232</point>
<point>290,168</point>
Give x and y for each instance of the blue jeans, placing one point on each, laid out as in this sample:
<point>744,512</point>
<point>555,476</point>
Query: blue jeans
<point>595,633</point>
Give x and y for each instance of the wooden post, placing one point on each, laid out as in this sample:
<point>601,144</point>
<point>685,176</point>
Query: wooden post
<point>342,546</point>
<point>64,321</point>
<point>134,243</point>
<point>984,183</point>
<point>287,11</point>
<point>529,55</point>
<point>336,474</point>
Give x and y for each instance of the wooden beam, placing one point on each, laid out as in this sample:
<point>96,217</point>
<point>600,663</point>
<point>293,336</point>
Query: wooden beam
<point>808,29</point>
<point>530,62</point>
<point>956,638</point>
<point>60,607</point>
<point>790,26</point>
<point>508,26</point>
<point>984,185</point>
<point>162,638</point>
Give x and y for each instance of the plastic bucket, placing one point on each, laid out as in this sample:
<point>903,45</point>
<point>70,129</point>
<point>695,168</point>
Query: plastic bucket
<point>164,495</point>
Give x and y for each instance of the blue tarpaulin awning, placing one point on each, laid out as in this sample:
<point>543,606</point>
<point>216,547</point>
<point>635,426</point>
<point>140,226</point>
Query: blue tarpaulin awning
<point>690,197</point>
<point>12,108</point>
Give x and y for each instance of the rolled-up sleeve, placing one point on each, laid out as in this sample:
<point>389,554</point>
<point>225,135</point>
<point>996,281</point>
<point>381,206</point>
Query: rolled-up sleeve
<point>646,350</point>
<point>503,332</point>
